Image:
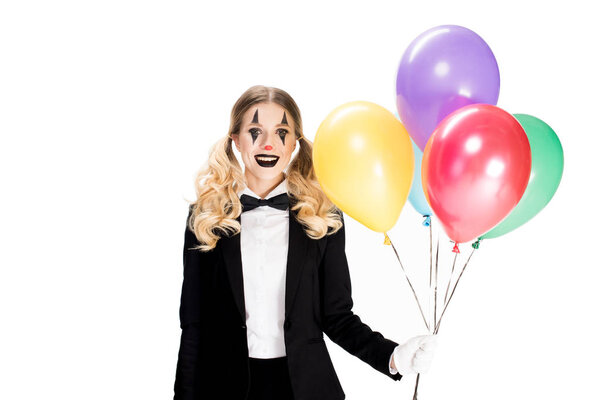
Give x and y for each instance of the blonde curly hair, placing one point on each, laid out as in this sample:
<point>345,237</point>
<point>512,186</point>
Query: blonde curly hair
<point>221,178</point>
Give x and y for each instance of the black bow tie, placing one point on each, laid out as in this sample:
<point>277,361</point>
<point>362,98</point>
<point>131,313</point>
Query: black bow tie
<point>280,202</point>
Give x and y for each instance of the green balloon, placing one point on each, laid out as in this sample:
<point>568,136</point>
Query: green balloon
<point>547,162</point>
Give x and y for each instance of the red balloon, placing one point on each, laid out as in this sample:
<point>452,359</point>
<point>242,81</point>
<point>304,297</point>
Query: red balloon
<point>475,169</point>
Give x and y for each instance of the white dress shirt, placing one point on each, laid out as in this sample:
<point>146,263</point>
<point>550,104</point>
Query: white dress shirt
<point>264,247</point>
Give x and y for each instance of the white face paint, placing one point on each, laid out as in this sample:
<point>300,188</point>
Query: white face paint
<point>265,131</point>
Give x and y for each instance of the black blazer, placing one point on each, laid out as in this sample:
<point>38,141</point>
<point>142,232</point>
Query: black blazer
<point>213,355</point>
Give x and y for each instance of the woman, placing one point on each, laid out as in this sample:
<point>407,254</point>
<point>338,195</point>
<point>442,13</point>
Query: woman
<point>265,271</point>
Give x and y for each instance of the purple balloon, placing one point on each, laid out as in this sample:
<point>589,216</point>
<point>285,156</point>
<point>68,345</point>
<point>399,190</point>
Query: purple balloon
<point>443,69</point>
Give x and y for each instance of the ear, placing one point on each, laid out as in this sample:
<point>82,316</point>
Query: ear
<point>236,140</point>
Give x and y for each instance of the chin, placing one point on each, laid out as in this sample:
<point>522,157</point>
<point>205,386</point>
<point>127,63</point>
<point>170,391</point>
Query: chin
<point>266,173</point>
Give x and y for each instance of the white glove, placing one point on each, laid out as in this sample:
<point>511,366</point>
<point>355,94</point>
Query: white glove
<point>415,355</point>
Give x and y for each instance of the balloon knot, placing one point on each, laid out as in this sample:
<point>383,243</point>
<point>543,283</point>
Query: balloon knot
<point>427,220</point>
<point>387,239</point>
<point>476,243</point>
<point>455,249</point>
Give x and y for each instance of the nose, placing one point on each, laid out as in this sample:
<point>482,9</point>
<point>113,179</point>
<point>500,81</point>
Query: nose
<point>267,141</point>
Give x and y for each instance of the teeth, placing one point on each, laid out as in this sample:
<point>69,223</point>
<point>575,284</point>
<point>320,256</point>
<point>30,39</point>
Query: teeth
<point>266,158</point>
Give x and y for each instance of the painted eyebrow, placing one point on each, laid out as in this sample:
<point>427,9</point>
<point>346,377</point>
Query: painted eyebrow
<point>255,120</point>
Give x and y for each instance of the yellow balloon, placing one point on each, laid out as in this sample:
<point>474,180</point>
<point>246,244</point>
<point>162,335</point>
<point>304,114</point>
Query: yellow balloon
<point>364,161</point>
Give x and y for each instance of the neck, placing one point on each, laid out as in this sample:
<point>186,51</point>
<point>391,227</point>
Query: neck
<point>262,187</point>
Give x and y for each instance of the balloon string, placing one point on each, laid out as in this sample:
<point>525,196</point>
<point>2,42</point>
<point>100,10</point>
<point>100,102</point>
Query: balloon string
<point>427,222</point>
<point>450,278</point>
<point>416,386</point>
<point>430,272</point>
<point>437,253</point>
<point>410,284</point>
<point>437,328</point>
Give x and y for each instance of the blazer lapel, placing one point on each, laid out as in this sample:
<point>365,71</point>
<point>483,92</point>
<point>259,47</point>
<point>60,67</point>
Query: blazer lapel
<point>232,257</point>
<point>296,257</point>
<point>296,260</point>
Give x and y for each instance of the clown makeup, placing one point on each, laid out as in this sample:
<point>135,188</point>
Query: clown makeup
<point>282,135</point>
<point>262,142</point>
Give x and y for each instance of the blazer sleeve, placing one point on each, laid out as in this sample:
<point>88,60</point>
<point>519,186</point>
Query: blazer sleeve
<point>340,324</point>
<point>189,315</point>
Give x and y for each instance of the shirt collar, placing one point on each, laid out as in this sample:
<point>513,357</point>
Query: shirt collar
<point>279,189</point>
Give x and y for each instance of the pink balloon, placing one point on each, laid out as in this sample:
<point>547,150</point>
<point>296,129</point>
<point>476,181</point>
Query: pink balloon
<point>475,169</point>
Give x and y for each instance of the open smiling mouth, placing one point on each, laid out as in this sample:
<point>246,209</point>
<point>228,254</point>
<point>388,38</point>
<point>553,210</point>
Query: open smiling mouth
<point>266,160</point>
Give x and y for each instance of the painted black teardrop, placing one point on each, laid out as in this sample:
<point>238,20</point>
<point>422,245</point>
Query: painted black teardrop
<point>253,131</point>
<point>283,122</point>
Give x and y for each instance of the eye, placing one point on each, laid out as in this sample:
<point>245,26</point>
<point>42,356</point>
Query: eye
<point>254,132</point>
<point>282,131</point>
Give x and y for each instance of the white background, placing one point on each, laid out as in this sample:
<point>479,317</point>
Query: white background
<point>108,108</point>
